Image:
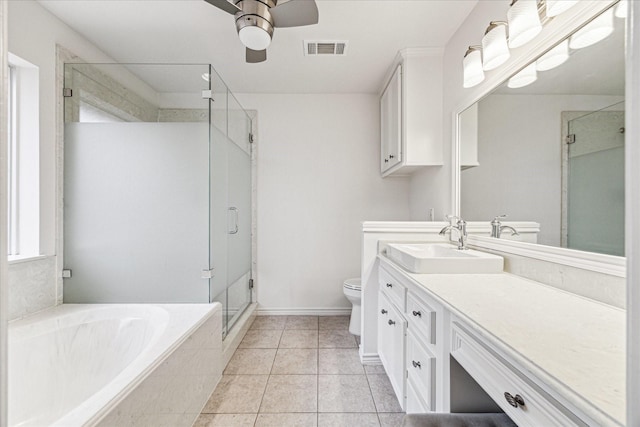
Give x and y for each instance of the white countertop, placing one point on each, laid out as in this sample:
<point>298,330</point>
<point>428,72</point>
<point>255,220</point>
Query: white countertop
<point>574,345</point>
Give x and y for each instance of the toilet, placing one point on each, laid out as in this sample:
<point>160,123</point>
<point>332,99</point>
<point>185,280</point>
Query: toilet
<point>353,292</point>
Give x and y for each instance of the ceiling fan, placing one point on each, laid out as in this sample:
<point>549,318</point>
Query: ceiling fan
<point>256,20</point>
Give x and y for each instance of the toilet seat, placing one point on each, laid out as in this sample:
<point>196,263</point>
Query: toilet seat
<point>353,284</point>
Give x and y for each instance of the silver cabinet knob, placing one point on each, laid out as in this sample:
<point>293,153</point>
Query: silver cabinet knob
<point>514,401</point>
<point>383,311</point>
<point>416,364</point>
<point>389,285</point>
<point>391,156</point>
<point>417,313</point>
<point>391,322</point>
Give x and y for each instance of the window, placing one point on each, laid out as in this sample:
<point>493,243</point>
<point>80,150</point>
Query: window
<point>23,160</point>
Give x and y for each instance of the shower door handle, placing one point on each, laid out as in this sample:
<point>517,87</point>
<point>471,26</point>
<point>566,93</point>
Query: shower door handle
<point>235,220</point>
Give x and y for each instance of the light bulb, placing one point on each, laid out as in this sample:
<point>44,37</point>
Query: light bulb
<point>554,57</point>
<point>621,9</point>
<point>525,77</point>
<point>472,67</point>
<point>255,38</point>
<point>595,31</point>
<point>495,50</point>
<point>524,22</point>
<point>556,7</point>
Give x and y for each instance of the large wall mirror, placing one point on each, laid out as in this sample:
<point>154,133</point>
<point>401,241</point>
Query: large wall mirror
<point>552,151</point>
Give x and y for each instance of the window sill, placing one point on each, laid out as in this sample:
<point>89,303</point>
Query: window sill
<point>17,259</point>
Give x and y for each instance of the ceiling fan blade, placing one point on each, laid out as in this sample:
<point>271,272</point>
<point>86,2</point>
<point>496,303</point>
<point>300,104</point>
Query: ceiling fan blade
<point>224,5</point>
<point>255,56</point>
<point>295,13</point>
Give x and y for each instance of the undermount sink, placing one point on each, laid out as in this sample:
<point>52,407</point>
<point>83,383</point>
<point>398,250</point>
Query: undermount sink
<point>442,258</point>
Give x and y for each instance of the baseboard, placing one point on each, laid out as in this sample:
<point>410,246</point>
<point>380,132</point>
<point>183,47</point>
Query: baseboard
<point>264,311</point>
<point>370,358</point>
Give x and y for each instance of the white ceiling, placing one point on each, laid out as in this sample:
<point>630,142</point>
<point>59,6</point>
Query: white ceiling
<point>192,31</point>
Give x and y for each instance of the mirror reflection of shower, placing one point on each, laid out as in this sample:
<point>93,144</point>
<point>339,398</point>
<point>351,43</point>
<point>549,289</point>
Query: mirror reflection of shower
<point>593,168</point>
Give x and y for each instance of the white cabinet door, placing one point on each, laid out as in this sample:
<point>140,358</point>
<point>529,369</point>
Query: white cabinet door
<point>391,122</point>
<point>392,329</point>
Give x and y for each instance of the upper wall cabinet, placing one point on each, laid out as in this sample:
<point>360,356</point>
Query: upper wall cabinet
<point>411,113</point>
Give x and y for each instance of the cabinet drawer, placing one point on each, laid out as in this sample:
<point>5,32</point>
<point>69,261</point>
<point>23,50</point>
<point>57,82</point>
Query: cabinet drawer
<point>421,367</point>
<point>422,318</point>
<point>392,288</point>
<point>497,377</point>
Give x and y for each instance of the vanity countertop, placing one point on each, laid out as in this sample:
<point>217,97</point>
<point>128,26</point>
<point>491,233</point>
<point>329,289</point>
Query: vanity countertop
<point>573,344</point>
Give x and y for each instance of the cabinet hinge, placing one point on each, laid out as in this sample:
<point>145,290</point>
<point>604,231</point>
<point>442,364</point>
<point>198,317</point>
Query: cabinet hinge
<point>570,139</point>
<point>67,92</point>
<point>66,273</point>
<point>207,274</point>
<point>251,138</point>
<point>207,94</point>
<point>250,283</point>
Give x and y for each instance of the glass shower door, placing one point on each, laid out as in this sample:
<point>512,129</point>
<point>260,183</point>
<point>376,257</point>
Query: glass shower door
<point>231,204</point>
<point>595,185</point>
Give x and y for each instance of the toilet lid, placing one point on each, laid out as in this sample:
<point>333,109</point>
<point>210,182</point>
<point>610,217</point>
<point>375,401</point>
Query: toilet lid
<point>354,284</point>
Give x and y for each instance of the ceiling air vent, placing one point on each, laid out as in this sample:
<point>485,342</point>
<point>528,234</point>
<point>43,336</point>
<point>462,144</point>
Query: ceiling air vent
<point>321,48</point>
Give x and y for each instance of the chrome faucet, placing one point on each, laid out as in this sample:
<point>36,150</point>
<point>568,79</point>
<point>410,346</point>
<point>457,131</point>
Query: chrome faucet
<point>461,226</point>
<point>497,228</point>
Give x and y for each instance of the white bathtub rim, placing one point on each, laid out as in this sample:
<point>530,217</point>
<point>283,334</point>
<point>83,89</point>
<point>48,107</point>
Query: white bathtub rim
<point>101,413</point>
<point>96,407</point>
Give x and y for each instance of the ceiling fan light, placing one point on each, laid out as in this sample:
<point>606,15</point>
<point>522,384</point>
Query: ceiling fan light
<point>524,22</point>
<point>595,31</point>
<point>525,77</point>
<point>495,49</point>
<point>255,38</point>
<point>621,9</point>
<point>556,56</point>
<point>472,67</point>
<point>556,7</point>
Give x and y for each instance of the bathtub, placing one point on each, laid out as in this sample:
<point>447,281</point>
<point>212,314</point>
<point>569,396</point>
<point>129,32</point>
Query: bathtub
<point>114,365</point>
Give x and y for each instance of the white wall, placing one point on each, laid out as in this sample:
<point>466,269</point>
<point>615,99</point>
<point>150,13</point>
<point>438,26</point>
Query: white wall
<point>520,158</point>
<point>33,34</point>
<point>431,187</point>
<point>318,178</point>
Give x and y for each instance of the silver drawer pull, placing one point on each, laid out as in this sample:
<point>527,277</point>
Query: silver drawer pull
<point>391,322</point>
<point>389,285</point>
<point>417,313</point>
<point>383,311</point>
<point>416,364</point>
<point>514,401</point>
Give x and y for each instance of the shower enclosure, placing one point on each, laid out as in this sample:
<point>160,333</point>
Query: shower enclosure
<point>593,200</point>
<point>157,187</point>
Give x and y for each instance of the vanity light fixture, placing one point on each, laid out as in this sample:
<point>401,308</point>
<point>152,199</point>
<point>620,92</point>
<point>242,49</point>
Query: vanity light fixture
<point>525,77</point>
<point>621,9</point>
<point>524,22</point>
<point>556,7</point>
<point>472,66</point>
<point>595,31</point>
<point>495,50</point>
<point>556,56</point>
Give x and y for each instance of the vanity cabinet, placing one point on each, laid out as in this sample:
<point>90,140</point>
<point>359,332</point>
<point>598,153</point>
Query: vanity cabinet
<point>522,400</point>
<point>392,331</point>
<point>411,112</point>
<point>408,342</point>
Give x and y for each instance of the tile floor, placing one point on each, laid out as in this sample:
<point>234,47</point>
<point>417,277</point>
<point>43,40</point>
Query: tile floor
<point>301,371</point>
